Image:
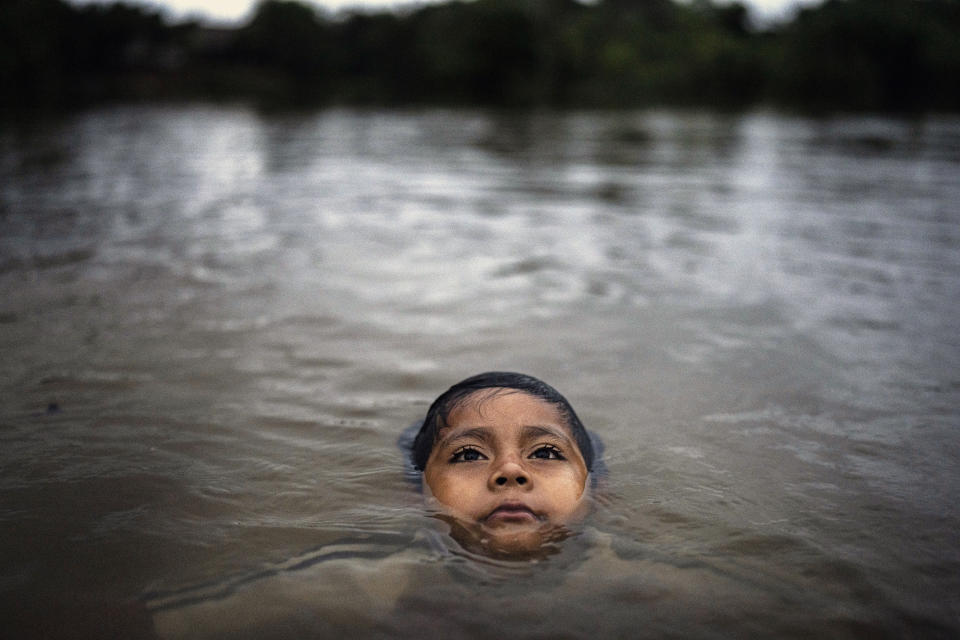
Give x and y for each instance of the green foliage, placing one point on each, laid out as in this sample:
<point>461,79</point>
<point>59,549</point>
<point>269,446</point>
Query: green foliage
<point>52,52</point>
<point>481,51</point>
<point>33,37</point>
<point>844,54</point>
<point>286,35</point>
<point>895,54</point>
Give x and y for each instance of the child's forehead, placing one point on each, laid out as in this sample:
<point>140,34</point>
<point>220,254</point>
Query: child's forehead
<point>504,406</point>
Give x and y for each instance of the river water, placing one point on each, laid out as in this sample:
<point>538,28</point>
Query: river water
<point>215,322</point>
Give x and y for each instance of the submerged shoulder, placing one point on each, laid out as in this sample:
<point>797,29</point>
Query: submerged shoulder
<point>332,589</point>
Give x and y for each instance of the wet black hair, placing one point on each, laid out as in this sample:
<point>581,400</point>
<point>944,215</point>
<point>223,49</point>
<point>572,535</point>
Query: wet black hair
<point>439,411</point>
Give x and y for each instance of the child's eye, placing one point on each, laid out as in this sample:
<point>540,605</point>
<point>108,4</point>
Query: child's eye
<point>467,454</point>
<point>547,452</point>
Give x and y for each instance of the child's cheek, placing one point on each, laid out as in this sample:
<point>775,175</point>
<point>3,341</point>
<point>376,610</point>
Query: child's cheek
<point>445,491</point>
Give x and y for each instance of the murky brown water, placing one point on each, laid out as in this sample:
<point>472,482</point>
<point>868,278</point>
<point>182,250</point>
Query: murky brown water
<point>214,324</point>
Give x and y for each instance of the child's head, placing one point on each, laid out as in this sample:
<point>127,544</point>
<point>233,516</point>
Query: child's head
<point>507,457</point>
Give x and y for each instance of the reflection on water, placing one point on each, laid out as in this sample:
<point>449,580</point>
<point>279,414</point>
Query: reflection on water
<point>215,323</point>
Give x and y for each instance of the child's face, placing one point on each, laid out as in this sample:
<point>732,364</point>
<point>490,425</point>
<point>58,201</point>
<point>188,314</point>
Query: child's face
<point>508,469</point>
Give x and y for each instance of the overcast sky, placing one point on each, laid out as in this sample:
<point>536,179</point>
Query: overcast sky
<point>234,10</point>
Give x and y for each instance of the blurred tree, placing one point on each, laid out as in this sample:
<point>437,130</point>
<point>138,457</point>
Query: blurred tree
<point>113,38</point>
<point>727,68</point>
<point>843,54</point>
<point>376,59</point>
<point>52,52</point>
<point>483,51</point>
<point>733,18</point>
<point>287,35</point>
<point>32,49</point>
<point>659,14</point>
<point>862,54</point>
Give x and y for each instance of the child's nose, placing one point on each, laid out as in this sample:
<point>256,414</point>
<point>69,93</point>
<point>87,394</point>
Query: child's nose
<point>509,473</point>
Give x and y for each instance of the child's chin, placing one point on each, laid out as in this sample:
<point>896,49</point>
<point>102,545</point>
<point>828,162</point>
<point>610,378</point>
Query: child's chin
<point>517,541</point>
<point>510,541</point>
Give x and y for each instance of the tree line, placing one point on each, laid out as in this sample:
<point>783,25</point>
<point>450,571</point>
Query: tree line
<point>901,55</point>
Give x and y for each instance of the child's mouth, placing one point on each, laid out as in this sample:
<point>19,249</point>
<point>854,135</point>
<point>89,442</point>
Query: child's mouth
<point>511,512</point>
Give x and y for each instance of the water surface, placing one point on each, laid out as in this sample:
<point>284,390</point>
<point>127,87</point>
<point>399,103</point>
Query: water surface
<point>215,322</point>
